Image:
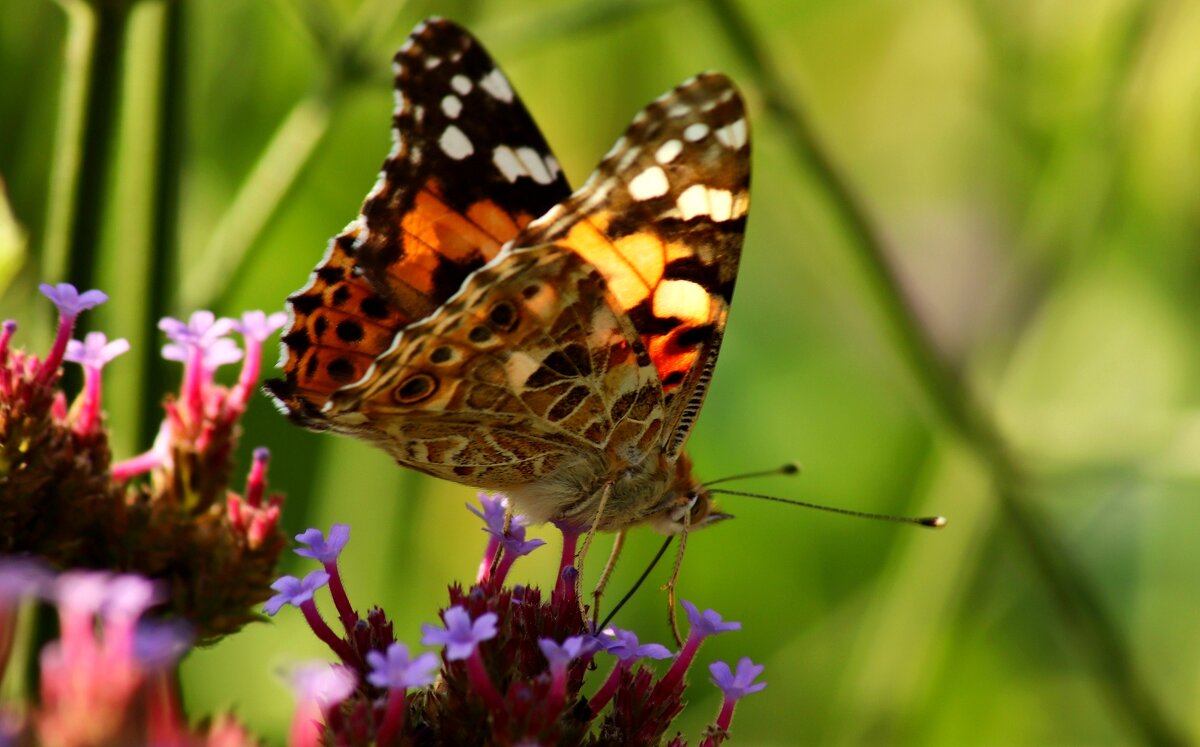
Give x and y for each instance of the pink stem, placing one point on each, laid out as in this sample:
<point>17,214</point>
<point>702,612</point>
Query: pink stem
<point>482,683</point>
<point>137,465</point>
<point>393,719</point>
<point>66,325</point>
<point>90,412</point>
<point>489,556</point>
<point>606,691</point>
<point>680,666</point>
<point>326,634</point>
<point>340,600</point>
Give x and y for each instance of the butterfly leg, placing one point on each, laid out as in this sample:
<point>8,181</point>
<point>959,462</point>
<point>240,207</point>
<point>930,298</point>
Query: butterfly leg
<point>508,520</point>
<point>670,585</point>
<point>598,591</point>
<point>587,543</point>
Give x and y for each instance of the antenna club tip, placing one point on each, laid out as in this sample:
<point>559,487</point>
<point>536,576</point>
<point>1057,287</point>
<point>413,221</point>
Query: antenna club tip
<point>934,522</point>
<point>790,468</point>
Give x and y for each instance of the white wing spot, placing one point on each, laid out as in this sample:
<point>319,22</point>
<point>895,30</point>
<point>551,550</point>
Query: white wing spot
<point>667,151</point>
<point>462,84</point>
<point>682,299</point>
<point>695,131</point>
<point>497,85</point>
<point>617,148</point>
<point>432,62</point>
<point>649,184</point>
<point>733,135</point>
<point>552,166</point>
<point>693,202</point>
<point>506,160</point>
<point>455,144</point>
<point>451,105</point>
<point>534,165</point>
<point>679,110</point>
<point>720,204</point>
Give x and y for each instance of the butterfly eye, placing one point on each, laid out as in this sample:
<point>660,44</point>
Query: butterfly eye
<point>503,316</point>
<point>415,388</point>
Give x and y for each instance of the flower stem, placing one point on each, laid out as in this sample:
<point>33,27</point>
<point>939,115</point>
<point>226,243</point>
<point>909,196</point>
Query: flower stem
<point>1092,627</point>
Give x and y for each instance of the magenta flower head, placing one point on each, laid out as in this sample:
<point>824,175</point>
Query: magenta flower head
<point>396,670</point>
<point>294,591</point>
<point>319,689</point>
<point>201,329</point>
<point>320,549</point>
<point>461,635</point>
<point>22,578</point>
<point>740,683</point>
<point>69,300</point>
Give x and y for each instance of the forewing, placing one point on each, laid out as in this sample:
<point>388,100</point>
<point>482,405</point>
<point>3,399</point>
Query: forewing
<point>662,219</point>
<point>468,169</point>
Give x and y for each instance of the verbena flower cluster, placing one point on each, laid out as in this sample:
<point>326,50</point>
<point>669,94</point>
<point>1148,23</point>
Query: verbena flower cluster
<point>146,557</point>
<point>512,664</point>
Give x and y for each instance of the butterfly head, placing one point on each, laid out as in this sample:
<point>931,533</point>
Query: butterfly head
<point>692,507</point>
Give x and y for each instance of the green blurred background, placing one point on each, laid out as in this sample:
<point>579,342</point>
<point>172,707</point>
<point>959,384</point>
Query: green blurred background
<point>1029,170</point>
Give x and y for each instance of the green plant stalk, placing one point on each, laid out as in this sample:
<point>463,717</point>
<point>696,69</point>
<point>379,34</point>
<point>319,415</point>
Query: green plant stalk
<point>87,114</point>
<point>257,201</point>
<point>1092,628</point>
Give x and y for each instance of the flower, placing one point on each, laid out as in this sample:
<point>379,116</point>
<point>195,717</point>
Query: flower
<point>397,670</point>
<point>624,645</point>
<point>561,654</point>
<point>708,622</point>
<point>320,549</point>
<point>739,684</point>
<point>201,329</point>
<point>69,300</point>
<point>294,591</point>
<point>95,351</point>
<point>258,326</point>
<point>461,635</point>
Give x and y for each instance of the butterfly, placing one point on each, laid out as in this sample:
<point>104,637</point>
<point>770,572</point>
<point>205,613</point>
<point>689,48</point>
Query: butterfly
<point>483,324</point>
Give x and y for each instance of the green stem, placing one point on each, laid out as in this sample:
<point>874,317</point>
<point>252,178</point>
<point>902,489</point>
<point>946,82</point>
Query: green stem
<point>257,201</point>
<point>1093,629</point>
<point>88,109</point>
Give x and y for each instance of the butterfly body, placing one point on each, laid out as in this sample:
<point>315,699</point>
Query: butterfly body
<point>560,359</point>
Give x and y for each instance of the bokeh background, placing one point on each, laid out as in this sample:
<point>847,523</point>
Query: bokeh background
<point>969,287</point>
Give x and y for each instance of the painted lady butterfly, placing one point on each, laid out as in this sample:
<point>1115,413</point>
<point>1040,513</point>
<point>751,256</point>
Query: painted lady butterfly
<point>561,359</point>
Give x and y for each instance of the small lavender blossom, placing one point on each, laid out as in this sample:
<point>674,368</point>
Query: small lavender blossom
<point>708,622</point>
<point>82,591</point>
<point>201,328</point>
<point>320,549</point>
<point>494,509</point>
<point>624,645</point>
<point>21,578</point>
<point>737,685</point>
<point>69,300</point>
<point>515,545</point>
<point>461,635</point>
<point>95,351</point>
<point>160,644</point>
<point>561,654</point>
<point>396,670</point>
<point>258,326</point>
<point>129,595</point>
<point>294,591</point>
<point>215,353</point>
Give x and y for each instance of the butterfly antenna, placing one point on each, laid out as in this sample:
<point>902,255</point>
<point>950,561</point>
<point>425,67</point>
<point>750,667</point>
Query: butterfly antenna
<point>637,585</point>
<point>933,522</point>
<point>791,468</point>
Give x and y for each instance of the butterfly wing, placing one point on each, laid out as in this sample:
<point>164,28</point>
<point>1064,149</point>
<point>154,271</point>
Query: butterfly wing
<point>662,219</point>
<point>467,171</point>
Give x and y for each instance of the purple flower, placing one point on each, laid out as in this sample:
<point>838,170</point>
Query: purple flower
<point>560,655</point>
<point>294,591</point>
<point>623,644</point>
<point>494,508</point>
<point>739,684</point>
<point>320,549</point>
<point>69,300</point>
<point>95,351</point>
<point>201,328</point>
<point>515,544</point>
<point>323,683</point>
<point>257,326</point>
<point>21,578</point>
<point>461,635</point>
<point>129,595</point>
<point>706,623</point>
<point>397,671</point>
<point>215,353</point>
<point>160,644</point>
<point>82,591</point>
